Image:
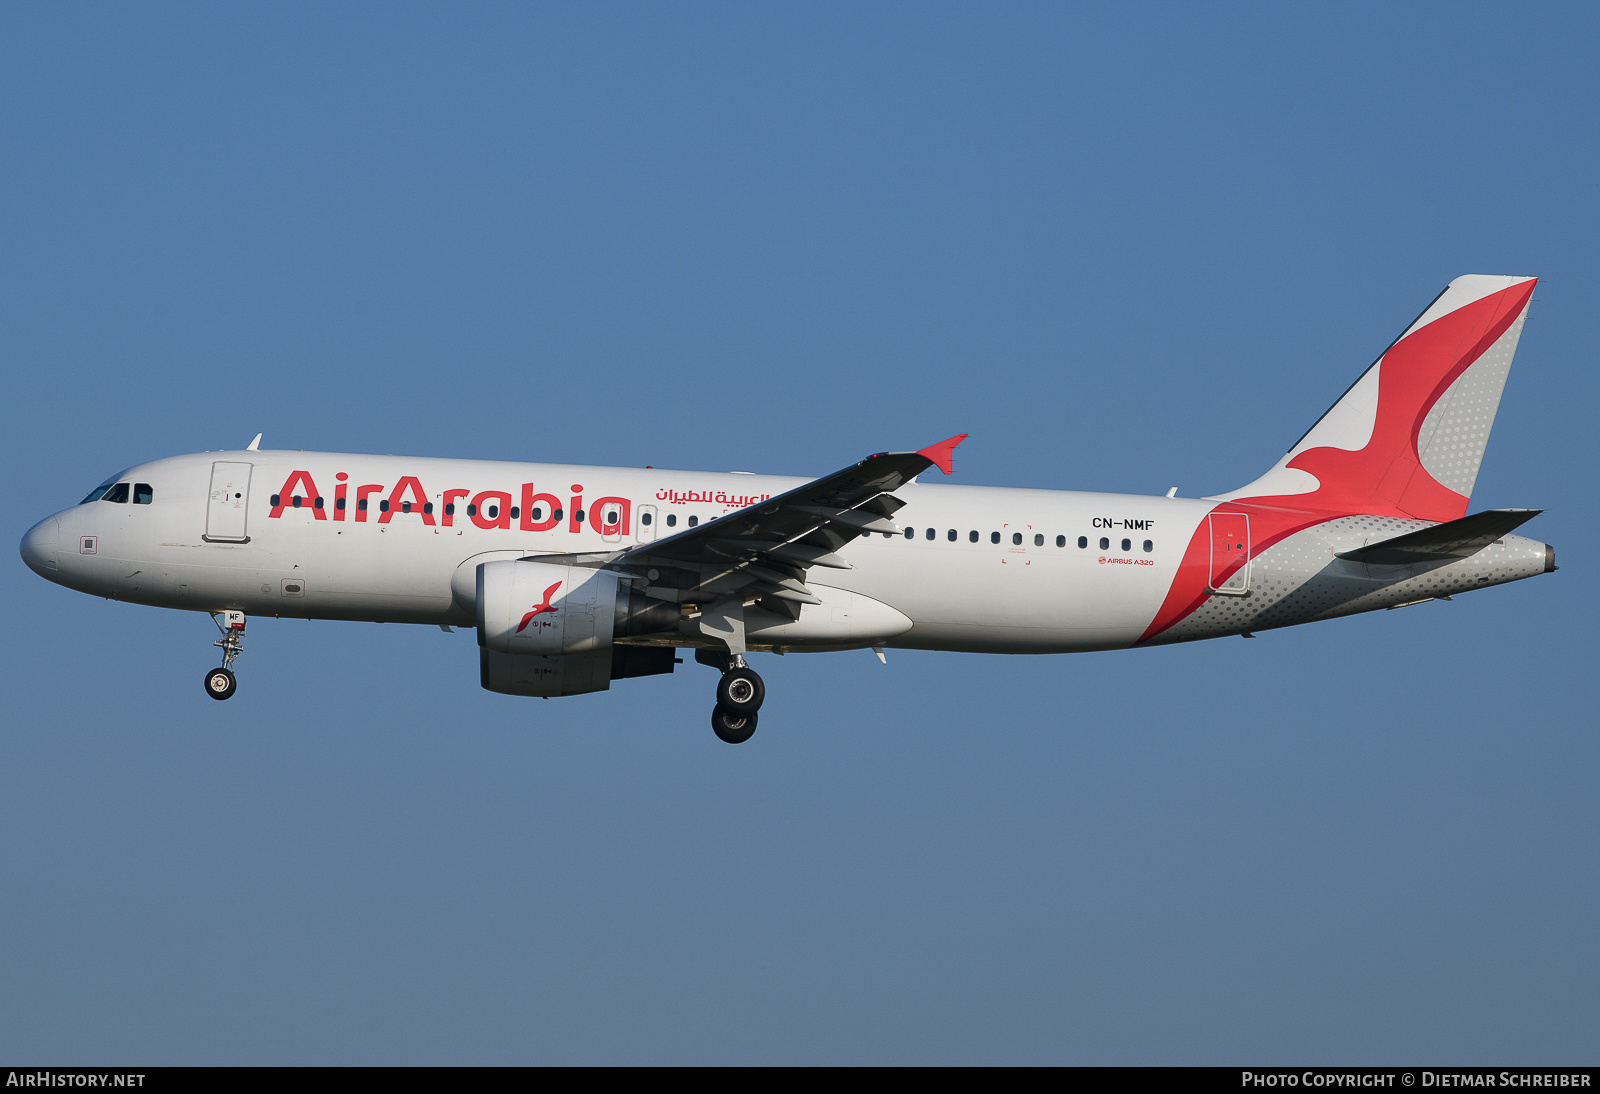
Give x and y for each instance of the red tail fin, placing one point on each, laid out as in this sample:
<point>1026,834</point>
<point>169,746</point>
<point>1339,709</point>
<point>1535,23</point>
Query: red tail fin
<point>1407,438</point>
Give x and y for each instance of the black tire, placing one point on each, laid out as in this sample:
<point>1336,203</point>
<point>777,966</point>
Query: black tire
<point>735,729</point>
<point>220,684</point>
<point>740,691</point>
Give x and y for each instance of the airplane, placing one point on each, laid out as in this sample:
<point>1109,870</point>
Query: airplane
<point>576,576</point>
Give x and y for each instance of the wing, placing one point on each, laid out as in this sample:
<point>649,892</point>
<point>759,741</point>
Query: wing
<point>763,552</point>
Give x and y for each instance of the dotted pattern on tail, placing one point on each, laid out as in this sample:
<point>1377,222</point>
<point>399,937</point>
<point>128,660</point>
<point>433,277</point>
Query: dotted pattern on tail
<point>1456,430</point>
<point>1299,580</point>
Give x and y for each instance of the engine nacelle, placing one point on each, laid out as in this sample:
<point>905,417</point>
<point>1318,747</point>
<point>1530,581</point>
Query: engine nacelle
<point>572,674</point>
<point>548,677</point>
<point>535,608</point>
<point>548,629</point>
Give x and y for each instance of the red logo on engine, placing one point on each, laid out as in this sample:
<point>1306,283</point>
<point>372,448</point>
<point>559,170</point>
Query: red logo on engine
<point>541,608</point>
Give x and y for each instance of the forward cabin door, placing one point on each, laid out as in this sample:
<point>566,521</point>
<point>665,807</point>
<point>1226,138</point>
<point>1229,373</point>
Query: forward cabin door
<point>1230,554</point>
<point>228,503</point>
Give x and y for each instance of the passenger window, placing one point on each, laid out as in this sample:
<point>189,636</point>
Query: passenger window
<point>577,515</point>
<point>142,493</point>
<point>1038,541</point>
<point>1105,543</point>
<point>1083,541</point>
<point>383,506</point>
<point>1148,546</point>
<point>316,503</point>
<point>297,499</point>
<point>472,510</point>
<point>361,504</point>
<point>449,509</point>
<point>672,519</point>
<point>994,537</point>
<point>558,515</point>
<point>339,505</point>
<point>693,520</point>
<point>951,535</point>
<point>1016,537</point>
<point>911,533</point>
<point>1127,545</point>
<point>516,511</point>
<point>972,536</point>
<point>1061,541</point>
<point>493,511</point>
<point>405,506</point>
<point>931,532</point>
<point>427,507</point>
<point>118,493</point>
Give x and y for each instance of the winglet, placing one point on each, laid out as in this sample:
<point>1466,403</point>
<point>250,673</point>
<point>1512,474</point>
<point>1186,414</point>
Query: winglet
<point>943,453</point>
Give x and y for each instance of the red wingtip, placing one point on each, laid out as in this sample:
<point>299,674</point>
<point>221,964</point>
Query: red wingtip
<point>943,453</point>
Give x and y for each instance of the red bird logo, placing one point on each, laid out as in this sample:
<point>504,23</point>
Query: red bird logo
<point>541,608</point>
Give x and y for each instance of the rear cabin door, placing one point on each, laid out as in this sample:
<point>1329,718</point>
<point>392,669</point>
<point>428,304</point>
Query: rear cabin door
<point>228,503</point>
<point>1230,553</point>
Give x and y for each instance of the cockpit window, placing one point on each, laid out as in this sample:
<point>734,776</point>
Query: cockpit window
<point>94,495</point>
<point>117,493</point>
<point>142,493</point>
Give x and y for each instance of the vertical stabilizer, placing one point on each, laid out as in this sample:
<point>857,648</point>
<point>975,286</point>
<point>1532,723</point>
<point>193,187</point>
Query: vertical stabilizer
<point>1406,440</point>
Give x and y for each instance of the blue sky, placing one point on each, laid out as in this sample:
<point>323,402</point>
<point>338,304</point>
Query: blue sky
<point>1125,247</point>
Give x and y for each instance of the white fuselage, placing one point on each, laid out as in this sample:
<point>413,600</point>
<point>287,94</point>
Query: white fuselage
<point>1023,594</point>
<point>395,539</point>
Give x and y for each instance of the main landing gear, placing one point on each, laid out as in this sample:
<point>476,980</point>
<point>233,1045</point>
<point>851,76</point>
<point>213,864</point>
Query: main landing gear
<point>220,682</point>
<point>740,694</point>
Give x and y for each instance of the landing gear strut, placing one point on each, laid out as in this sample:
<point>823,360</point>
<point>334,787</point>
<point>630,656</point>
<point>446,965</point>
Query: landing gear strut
<point>220,682</point>
<point>740,694</point>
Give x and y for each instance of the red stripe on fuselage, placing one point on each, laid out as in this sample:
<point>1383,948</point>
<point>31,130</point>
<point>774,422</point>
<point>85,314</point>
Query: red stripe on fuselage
<point>1268,525</point>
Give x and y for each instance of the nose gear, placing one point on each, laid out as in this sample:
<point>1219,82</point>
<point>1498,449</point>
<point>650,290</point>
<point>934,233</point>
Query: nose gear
<point>220,682</point>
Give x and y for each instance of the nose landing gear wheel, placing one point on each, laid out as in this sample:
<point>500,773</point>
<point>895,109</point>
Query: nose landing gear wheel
<point>220,683</point>
<point>740,691</point>
<point>735,729</point>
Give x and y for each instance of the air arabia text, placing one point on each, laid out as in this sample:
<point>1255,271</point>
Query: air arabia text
<point>530,510</point>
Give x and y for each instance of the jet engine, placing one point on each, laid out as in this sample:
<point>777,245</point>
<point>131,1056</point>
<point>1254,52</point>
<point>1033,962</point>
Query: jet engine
<point>549,629</point>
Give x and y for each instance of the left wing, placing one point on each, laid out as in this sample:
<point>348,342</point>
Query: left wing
<point>763,552</point>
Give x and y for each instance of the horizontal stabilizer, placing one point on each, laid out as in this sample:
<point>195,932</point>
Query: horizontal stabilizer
<point>1453,539</point>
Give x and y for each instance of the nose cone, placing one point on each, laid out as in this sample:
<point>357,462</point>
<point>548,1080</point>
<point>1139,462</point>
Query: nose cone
<point>39,547</point>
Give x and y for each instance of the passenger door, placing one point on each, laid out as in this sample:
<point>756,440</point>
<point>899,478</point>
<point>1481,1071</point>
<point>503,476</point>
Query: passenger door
<point>228,504</point>
<point>1230,554</point>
